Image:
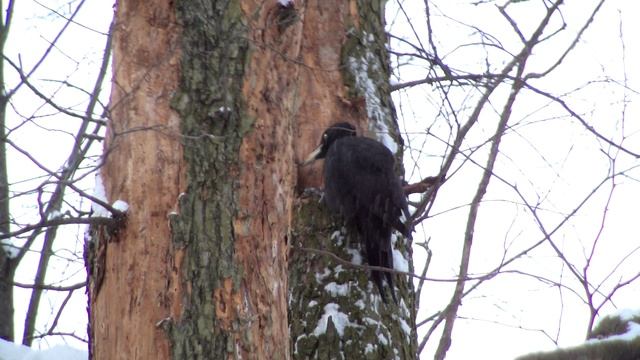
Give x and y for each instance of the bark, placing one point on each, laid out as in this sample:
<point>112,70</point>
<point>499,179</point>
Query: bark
<point>200,147</point>
<point>235,103</point>
<point>133,269</point>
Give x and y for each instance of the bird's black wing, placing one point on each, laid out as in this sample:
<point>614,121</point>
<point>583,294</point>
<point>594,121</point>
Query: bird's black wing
<point>361,184</point>
<point>359,173</point>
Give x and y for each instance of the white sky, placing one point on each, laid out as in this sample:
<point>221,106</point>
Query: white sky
<point>75,60</point>
<point>547,154</point>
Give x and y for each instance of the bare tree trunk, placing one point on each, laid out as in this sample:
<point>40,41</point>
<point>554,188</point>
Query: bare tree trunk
<point>7,265</point>
<point>134,270</point>
<point>200,147</point>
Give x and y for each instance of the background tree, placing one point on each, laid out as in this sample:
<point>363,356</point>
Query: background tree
<point>43,191</point>
<point>532,157</point>
<point>7,266</point>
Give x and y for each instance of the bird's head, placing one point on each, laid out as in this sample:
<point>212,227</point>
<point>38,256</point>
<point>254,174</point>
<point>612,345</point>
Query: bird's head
<point>330,135</point>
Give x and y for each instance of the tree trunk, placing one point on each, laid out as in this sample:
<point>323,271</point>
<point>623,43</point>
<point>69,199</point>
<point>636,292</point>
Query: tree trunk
<point>7,264</point>
<point>134,270</point>
<point>212,104</point>
<point>335,311</point>
<point>200,147</point>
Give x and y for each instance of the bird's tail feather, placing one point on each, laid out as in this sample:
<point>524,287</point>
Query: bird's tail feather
<point>377,242</point>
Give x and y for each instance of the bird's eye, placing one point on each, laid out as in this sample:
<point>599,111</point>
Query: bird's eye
<point>324,136</point>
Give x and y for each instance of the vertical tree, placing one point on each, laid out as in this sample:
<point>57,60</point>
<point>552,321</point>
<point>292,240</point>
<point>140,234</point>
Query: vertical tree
<point>211,106</point>
<point>494,96</point>
<point>42,193</point>
<point>7,266</point>
<point>335,312</point>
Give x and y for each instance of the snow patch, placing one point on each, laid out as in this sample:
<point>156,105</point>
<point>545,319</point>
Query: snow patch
<point>336,289</point>
<point>382,339</point>
<point>340,320</point>
<point>321,276</point>
<point>121,205</point>
<point>370,37</point>
<point>369,349</point>
<point>633,332</point>
<point>10,250</point>
<point>337,237</point>
<point>11,351</point>
<point>404,308</point>
<point>382,132</point>
<point>403,324</point>
<point>55,214</point>
<point>100,194</point>
<point>356,257</point>
<point>361,67</point>
<point>370,321</point>
<point>399,261</point>
<point>626,314</point>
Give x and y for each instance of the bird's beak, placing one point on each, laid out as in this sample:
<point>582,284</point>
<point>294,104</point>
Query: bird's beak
<point>312,157</point>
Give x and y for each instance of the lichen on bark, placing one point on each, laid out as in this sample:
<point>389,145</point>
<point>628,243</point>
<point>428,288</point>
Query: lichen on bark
<point>335,311</point>
<point>233,217</point>
<point>213,123</point>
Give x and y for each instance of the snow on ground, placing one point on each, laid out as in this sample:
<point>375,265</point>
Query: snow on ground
<point>633,328</point>
<point>11,351</point>
<point>633,331</point>
<point>626,314</point>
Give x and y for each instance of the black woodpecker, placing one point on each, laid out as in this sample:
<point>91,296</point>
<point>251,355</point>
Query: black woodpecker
<point>361,185</point>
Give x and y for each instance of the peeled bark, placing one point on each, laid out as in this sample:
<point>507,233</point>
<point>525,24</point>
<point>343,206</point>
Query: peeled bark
<point>134,269</point>
<point>200,147</point>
